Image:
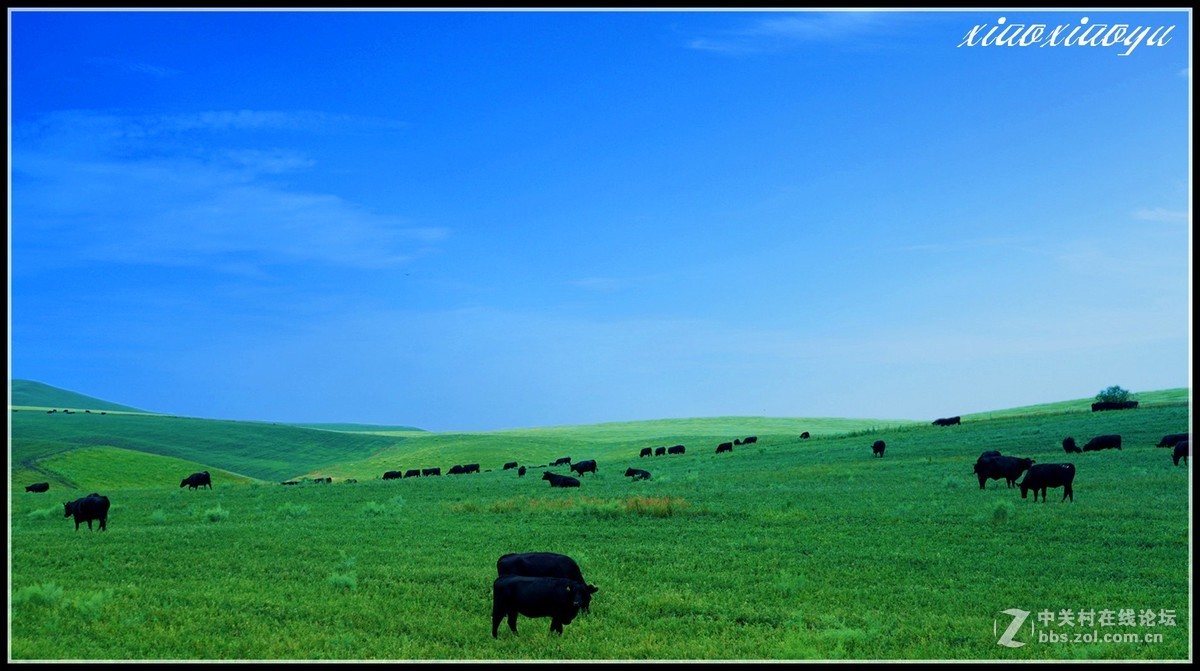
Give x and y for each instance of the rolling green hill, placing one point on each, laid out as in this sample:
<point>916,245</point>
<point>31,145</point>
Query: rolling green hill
<point>30,394</point>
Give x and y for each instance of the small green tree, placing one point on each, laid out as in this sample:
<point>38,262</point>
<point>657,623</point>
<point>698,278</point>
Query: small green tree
<point>1114,394</point>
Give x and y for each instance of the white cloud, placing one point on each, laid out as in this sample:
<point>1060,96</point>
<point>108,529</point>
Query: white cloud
<point>1161,214</point>
<point>777,33</point>
<point>165,190</point>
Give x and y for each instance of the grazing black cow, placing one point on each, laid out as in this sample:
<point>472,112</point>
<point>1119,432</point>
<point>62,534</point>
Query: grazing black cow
<point>557,480</point>
<point>737,441</point>
<point>38,487</point>
<point>426,472</point>
<point>91,507</point>
<point>521,472</point>
<point>585,466</point>
<point>1041,476</point>
<point>556,598</point>
<point>676,449</point>
<point>323,480</point>
<point>1113,405</point>
<point>637,474</point>
<point>1070,446</point>
<point>996,468</point>
<point>545,565</point>
<point>1181,451</point>
<point>1171,439</point>
<point>196,481</point>
<point>470,468</point>
<point>412,473</point>
<point>749,441</point>
<point>511,464</point>
<point>646,451</point>
<point>456,469</point>
<point>804,435</point>
<point>1105,442</point>
<point>877,448</point>
<point>393,475</point>
<point>561,460</point>
<point>725,447</point>
<point>290,482</point>
<point>660,451</point>
<point>947,421</point>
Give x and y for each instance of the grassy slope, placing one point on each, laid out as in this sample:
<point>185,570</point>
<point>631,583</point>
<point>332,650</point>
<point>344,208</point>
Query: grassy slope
<point>256,450</point>
<point>31,394</point>
<point>788,549</point>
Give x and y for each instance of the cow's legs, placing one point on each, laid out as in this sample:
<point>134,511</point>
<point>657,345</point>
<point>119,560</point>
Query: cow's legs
<point>512,622</point>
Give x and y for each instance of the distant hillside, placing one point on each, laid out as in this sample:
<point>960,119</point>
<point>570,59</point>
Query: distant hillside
<point>1144,399</point>
<point>27,393</point>
<point>360,428</point>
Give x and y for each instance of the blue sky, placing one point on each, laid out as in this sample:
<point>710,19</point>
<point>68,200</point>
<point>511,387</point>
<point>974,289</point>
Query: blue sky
<point>480,220</point>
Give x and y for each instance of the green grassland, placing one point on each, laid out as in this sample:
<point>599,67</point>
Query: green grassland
<point>31,394</point>
<point>785,549</point>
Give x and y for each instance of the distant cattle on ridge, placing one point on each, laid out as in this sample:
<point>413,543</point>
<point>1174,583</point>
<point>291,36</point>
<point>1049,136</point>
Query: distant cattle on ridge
<point>1171,439</point>
<point>947,421</point>
<point>724,447</point>
<point>676,449</point>
<point>557,480</point>
<point>91,507</point>
<point>1181,450</point>
<point>585,466</point>
<point>38,487</point>
<point>393,475</point>
<point>511,464</point>
<point>1043,476</point>
<point>412,473</point>
<point>646,452</point>
<point>197,480</point>
<point>660,451</point>
<point>1105,442</point>
<point>1113,405</point>
<point>426,472</point>
<point>637,474</point>
<point>877,448</point>
<point>805,434</point>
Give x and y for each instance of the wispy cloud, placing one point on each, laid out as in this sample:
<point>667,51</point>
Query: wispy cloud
<point>1161,214</point>
<point>157,71</point>
<point>778,33</point>
<point>170,190</point>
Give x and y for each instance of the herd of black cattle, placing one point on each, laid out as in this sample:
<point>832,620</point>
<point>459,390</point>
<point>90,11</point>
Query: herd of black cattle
<point>544,584</point>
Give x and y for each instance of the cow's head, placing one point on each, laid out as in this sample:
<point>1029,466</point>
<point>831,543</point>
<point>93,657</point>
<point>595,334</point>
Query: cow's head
<point>66,509</point>
<point>1024,488</point>
<point>183,483</point>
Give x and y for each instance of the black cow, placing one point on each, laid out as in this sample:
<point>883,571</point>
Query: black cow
<point>987,455</point>
<point>660,451</point>
<point>1105,442</point>
<point>470,468</point>
<point>456,469</point>
<point>1171,439</point>
<point>877,448</point>
<point>561,460</point>
<point>1113,405</point>
<point>393,475</point>
<point>38,487</point>
<point>290,482</point>
<point>412,473</point>
<point>737,441</point>
<point>1070,446</point>
<point>323,480</point>
<point>646,451</point>
<point>557,480</point>
<point>997,468</point>
<point>545,565</point>
<point>585,466</point>
<point>511,464</point>
<point>91,507</point>
<point>637,474</point>
<point>426,472</point>
<point>676,449</point>
<point>1182,449</point>
<point>947,421</point>
<point>556,598</point>
<point>750,440</point>
<point>1041,476</point>
<point>196,481</point>
<point>521,472</point>
<point>724,447</point>
<point>804,435</point>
